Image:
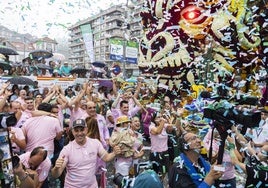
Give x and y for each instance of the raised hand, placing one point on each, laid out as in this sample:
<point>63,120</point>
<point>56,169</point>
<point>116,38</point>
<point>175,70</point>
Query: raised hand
<point>59,162</point>
<point>117,150</point>
<point>213,175</point>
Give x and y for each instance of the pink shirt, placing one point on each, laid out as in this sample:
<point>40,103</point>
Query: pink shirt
<point>28,113</point>
<point>60,115</point>
<point>42,170</point>
<point>104,132</point>
<point>159,141</point>
<point>41,131</point>
<point>23,118</point>
<point>229,172</point>
<point>138,141</point>
<point>81,163</point>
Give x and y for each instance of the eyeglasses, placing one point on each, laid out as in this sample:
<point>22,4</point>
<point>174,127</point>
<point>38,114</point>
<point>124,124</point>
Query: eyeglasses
<point>91,107</point>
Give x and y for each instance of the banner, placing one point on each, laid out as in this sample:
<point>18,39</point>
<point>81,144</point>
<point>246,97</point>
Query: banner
<point>88,40</point>
<point>132,52</point>
<point>116,49</point>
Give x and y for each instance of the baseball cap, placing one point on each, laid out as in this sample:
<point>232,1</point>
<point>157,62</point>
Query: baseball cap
<point>79,123</point>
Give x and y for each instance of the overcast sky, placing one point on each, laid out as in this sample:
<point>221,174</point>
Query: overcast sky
<point>48,17</point>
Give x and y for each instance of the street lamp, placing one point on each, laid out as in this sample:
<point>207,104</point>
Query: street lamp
<point>24,47</point>
<point>125,28</point>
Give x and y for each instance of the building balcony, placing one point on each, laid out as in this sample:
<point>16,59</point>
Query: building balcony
<point>76,44</point>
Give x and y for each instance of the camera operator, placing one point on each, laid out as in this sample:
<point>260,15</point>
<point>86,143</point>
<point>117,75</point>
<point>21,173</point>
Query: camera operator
<point>9,120</point>
<point>190,169</point>
<point>255,164</point>
<point>33,168</point>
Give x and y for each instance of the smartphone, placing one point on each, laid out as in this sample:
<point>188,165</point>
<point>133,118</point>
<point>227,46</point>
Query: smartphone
<point>219,168</point>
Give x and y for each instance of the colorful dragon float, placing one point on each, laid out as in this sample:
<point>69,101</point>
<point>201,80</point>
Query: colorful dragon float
<point>188,42</point>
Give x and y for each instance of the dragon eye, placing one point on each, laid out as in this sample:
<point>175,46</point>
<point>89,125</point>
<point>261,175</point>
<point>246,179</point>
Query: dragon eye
<point>192,14</point>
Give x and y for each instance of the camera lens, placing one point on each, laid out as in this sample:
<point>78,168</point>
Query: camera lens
<point>118,179</point>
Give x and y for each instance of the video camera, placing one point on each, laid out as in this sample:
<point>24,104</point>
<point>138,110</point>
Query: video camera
<point>7,120</point>
<point>225,114</point>
<point>123,181</point>
<point>128,182</point>
<point>225,118</point>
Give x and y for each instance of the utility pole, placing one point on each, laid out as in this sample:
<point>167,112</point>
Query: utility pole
<point>124,59</point>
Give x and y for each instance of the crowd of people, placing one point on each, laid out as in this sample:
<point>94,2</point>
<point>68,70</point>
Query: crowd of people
<point>31,67</point>
<point>50,68</point>
<point>72,134</point>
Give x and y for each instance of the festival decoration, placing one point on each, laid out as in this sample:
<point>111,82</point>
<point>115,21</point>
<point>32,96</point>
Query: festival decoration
<point>190,42</point>
<point>49,17</point>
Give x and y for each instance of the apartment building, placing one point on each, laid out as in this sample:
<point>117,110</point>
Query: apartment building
<point>118,22</point>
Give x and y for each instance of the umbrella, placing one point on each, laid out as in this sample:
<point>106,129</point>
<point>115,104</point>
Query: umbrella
<point>20,80</point>
<point>99,64</point>
<point>4,65</point>
<point>36,54</point>
<point>2,57</point>
<point>16,64</point>
<point>7,51</point>
<point>58,56</point>
<point>79,70</point>
<point>106,83</point>
<point>42,66</point>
